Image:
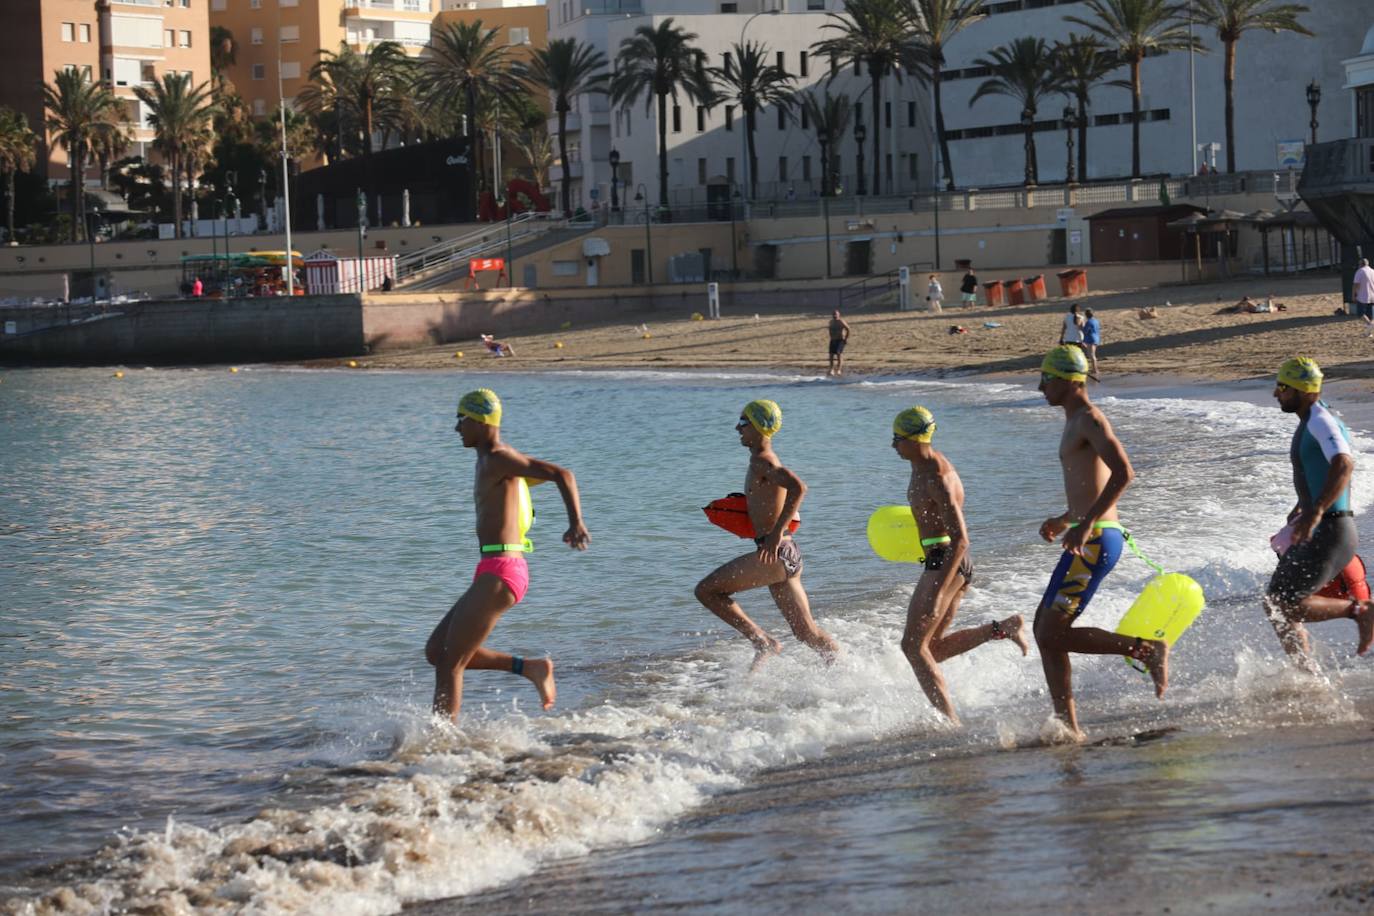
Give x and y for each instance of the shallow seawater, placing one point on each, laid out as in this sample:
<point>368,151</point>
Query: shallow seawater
<point>215,588</point>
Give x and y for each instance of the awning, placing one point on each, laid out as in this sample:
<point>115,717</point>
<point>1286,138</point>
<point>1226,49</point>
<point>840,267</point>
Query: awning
<point>595,247</point>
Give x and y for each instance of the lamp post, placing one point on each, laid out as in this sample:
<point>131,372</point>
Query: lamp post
<point>229,201</point>
<point>642,196</point>
<point>615,170</point>
<point>744,134</point>
<point>1314,98</point>
<point>510,262</point>
<point>1070,122</point>
<point>1028,125</point>
<point>734,246</point>
<point>860,135</point>
<point>262,195</point>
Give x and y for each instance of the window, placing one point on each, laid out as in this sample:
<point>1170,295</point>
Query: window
<point>782,168</point>
<point>858,67</point>
<point>911,163</point>
<point>814,5</point>
<point>701,118</point>
<point>805,118</point>
<point>259,72</point>
<point>729,7</point>
<point>727,65</point>
<point>887,114</point>
<point>519,36</point>
<point>186,4</point>
<point>566,268</point>
<point>255,4</point>
<point>858,113</point>
<point>217,6</point>
<point>68,31</point>
<point>289,33</point>
<point>782,62</point>
<point>256,36</point>
<point>290,69</point>
<point>148,73</point>
<point>259,107</point>
<point>701,171</point>
<point>806,168</point>
<point>729,117</point>
<point>802,65</point>
<point>169,38</point>
<point>86,32</point>
<point>887,167</point>
<point>910,114</point>
<point>86,72</point>
<point>730,169</point>
<point>288,2</point>
<point>677,119</point>
<point>782,118</point>
<point>186,38</point>
<point>834,66</point>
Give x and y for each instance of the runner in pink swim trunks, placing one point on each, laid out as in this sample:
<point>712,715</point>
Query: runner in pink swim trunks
<point>502,577</point>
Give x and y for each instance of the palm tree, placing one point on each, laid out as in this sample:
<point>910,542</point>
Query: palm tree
<point>1081,63</point>
<point>17,154</point>
<point>223,53</point>
<point>566,69</point>
<point>180,116</point>
<point>881,34</point>
<point>1232,19</point>
<point>658,62</point>
<point>535,144</point>
<point>937,22</point>
<point>829,117</point>
<point>78,109</point>
<point>466,63</point>
<point>1135,29</point>
<point>753,83</point>
<point>1022,70</point>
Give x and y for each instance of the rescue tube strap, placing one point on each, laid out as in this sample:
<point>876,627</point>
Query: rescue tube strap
<point>1130,542</point>
<point>526,547</point>
<point>942,539</point>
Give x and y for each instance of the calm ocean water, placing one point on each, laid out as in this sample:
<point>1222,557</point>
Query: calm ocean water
<point>215,589</point>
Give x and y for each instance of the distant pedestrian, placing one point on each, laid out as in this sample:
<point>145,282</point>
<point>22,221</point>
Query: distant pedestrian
<point>935,294</point>
<point>388,284</point>
<point>839,337</point>
<point>197,289</point>
<point>1072,330</point>
<point>1092,336</point>
<point>1364,290</point>
<point>968,289</point>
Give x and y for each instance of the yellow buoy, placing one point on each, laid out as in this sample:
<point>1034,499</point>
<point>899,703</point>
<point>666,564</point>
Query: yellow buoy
<point>894,535</point>
<point>697,316</point>
<point>646,335</point>
<point>119,374</point>
<point>352,364</point>
<point>1168,606</point>
<point>558,344</point>
<point>233,369</point>
<point>458,355</point>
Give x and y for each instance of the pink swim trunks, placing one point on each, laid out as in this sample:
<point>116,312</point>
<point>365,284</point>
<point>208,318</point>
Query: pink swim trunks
<point>513,571</point>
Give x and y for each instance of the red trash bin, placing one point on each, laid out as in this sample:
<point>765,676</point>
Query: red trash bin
<point>993,292</point>
<point>1073,282</point>
<point>1016,292</point>
<point>1035,289</point>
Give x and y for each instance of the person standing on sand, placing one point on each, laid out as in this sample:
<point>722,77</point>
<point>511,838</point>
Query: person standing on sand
<point>1096,473</point>
<point>1071,332</point>
<point>935,294</point>
<point>773,495</point>
<point>968,289</point>
<point>936,495</point>
<point>839,338</point>
<point>502,576</point>
<point>1092,336</point>
<point>1324,535</point>
<point>1362,290</point>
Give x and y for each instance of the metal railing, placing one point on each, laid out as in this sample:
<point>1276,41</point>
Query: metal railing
<point>451,254</point>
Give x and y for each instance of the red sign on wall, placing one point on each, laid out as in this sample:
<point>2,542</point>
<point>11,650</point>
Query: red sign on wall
<point>496,264</point>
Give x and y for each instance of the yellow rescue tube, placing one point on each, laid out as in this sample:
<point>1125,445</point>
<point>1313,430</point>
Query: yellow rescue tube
<point>526,510</point>
<point>1168,606</point>
<point>894,535</point>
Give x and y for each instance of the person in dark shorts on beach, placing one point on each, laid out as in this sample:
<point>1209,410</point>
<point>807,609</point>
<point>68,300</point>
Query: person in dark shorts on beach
<point>1096,473</point>
<point>839,336</point>
<point>936,495</point>
<point>773,496</point>
<point>1324,538</point>
<point>502,575</point>
<point>968,289</point>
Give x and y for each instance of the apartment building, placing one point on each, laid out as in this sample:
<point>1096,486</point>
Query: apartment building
<point>126,43</point>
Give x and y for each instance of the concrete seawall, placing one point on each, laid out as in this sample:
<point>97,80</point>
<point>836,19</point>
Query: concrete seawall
<point>194,331</point>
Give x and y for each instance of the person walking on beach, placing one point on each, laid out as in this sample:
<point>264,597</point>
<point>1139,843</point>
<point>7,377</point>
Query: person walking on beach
<point>936,495</point>
<point>1324,537</point>
<point>502,576</point>
<point>1092,336</point>
<point>1096,473</point>
<point>935,294</point>
<point>1362,290</point>
<point>839,338</point>
<point>1071,332</point>
<point>968,289</point>
<point>773,495</point>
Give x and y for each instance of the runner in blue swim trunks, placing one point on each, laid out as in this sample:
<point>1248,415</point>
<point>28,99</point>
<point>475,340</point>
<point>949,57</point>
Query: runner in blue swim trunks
<point>1096,473</point>
<point>1324,534</point>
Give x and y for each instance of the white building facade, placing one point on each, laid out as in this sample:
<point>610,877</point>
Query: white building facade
<point>707,145</point>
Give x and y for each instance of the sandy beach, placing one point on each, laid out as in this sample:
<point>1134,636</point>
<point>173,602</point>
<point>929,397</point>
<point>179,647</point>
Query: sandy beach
<point>1191,337</point>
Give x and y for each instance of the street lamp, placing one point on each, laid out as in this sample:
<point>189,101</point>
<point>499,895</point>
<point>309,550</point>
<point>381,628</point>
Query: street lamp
<point>1314,98</point>
<point>1070,121</point>
<point>1028,125</point>
<point>229,202</point>
<point>744,135</point>
<point>860,135</point>
<point>642,196</point>
<point>615,169</point>
<point>262,195</point>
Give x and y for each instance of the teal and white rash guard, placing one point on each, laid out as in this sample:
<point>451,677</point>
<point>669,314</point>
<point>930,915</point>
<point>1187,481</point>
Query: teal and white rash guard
<point>1319,439</point>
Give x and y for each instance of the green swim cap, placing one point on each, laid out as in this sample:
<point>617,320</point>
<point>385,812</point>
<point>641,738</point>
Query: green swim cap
<point>1067,362</point>
<point>914,423</point>
<point>765,416</point>
<point>481,405</point>
<point>1302,374</point>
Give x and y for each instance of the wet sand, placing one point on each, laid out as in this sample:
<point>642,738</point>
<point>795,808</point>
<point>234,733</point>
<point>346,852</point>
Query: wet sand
<point>1191,338</point>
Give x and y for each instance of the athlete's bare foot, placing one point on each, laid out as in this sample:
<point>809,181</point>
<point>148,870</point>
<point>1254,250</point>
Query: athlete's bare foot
<point>1158,663</point>
<point>1058,731</point>
<point>763,653</point>
<point>540,671</point>
<point>1364,619</point>
<point>1012,627</point>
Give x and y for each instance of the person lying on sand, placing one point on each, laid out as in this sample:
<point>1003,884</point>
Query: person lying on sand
<point>496,347</point>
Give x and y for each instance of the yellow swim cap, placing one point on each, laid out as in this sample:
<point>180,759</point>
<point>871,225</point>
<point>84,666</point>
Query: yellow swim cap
<point>1301,373</point>
<point>1066,362</point>
<point>765,416</point>
<point>915,423</point>
<point>481,405</point>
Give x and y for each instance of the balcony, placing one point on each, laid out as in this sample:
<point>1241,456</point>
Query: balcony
<point>397,6</point>
<point>1338,186</point>
<point>612,7</point>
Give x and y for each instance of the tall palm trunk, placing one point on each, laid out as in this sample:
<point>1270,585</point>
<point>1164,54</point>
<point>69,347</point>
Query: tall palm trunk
<point>474,173</point>
<point>825,168</point>
<point>77,168</point>
<point>663,149</point>
<point>876,77</point>
<point>940,128</point>
<point>1083,137</point>
<point>563,157</point>
<point>9,204</point>
<point>176,192</point>
<point>367,160</point>
<point>1135,118</point>
<point>753,157</point>
<point>1032,176</point>
<point>1230,80</point>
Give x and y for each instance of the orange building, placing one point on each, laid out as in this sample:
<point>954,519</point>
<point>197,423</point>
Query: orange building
<point>126,43</point>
